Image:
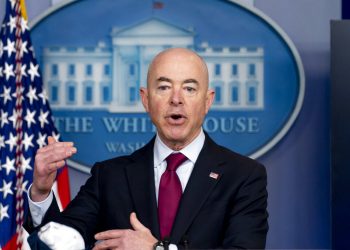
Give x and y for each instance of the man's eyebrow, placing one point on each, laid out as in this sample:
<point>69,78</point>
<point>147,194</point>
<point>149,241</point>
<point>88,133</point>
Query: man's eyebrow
<point>163,79</point>
<point>166,79</point>
<point>191,81</point>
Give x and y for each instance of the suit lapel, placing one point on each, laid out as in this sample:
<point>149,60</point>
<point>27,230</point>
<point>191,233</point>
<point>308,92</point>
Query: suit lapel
<point>141,182</point>
<point>198,188</point>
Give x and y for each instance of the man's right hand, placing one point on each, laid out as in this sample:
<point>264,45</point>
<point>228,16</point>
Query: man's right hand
<point>47,160</point>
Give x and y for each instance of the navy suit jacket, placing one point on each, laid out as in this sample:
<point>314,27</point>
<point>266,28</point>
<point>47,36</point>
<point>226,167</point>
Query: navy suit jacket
<point>224,212</point>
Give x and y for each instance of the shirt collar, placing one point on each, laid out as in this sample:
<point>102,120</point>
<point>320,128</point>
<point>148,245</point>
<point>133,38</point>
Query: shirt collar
<point>191,151</point>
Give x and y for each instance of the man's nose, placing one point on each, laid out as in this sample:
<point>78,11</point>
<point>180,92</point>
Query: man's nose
<point>176,97</point>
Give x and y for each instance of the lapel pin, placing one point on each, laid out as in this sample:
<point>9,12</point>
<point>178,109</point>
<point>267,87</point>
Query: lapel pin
<point>214,175</point>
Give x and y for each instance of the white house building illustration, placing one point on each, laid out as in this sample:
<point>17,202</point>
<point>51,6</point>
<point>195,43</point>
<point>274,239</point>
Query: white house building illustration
<point>108,77</point>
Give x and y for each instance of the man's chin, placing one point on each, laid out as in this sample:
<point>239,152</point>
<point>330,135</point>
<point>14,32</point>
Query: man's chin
<point>178,141</point>
<point>174,141</point>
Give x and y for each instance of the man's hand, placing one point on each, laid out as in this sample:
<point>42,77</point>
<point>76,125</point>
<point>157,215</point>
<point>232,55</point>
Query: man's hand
<point>47,160</point>
<point>140,238</point>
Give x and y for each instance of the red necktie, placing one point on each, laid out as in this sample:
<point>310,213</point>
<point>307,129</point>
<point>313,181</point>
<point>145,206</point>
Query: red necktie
<point>170,192</point>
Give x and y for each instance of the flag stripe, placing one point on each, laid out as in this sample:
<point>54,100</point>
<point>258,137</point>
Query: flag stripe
<point>63,189</point>
<point>11,244</point>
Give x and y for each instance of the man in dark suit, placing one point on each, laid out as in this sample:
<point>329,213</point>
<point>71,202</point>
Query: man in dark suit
<point>224,198</point>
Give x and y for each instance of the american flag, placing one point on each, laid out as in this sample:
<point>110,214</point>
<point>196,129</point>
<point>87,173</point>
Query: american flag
<point>25,124</point>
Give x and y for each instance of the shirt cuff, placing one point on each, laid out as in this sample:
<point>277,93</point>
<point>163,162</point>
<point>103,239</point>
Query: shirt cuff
<point>39,209</point>
<point>172,247</point>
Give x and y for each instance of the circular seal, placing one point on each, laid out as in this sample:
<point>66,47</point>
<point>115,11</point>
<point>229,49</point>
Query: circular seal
<point>94,57</point>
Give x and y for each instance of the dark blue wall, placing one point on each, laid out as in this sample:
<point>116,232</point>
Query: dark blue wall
<point>340,59</point>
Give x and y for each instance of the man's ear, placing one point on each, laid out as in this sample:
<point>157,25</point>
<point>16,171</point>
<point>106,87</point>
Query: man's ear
<point>144,97</point>
<point>209,100</point>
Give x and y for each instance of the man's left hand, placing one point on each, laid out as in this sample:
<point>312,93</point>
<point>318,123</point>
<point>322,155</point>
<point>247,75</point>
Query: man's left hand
<point>138,238</point>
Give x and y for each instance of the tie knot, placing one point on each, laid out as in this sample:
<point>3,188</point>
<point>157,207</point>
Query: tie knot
<point>174,161</point>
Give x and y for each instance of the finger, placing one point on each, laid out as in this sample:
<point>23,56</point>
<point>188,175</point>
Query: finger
<point>110,234</point>
<point>136,224</point>
<point>54,155</point>
<point>50,161</point>
<point>55,145</point>
<point>56,165</point>
<point>57,150</point>
<point>107,244</point>
<point>51,140</point>
<point>61,163</point>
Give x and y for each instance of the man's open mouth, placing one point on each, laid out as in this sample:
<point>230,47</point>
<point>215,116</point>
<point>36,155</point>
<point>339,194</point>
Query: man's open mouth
<point>176,119</point>
<point>176,116</point>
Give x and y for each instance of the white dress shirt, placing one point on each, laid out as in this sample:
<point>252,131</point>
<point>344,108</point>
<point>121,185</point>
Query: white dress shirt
<point>160,153</point>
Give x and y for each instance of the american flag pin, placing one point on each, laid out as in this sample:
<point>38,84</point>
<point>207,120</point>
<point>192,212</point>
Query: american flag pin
<point>214,175</point>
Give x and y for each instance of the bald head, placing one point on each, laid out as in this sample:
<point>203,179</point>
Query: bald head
<point>175,55</point>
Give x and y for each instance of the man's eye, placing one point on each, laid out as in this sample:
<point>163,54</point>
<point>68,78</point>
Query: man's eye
<point>163,87</point>
<point>190,89</point>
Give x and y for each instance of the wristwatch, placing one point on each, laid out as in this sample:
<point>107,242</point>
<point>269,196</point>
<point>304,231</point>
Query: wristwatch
<point>161,245</point>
